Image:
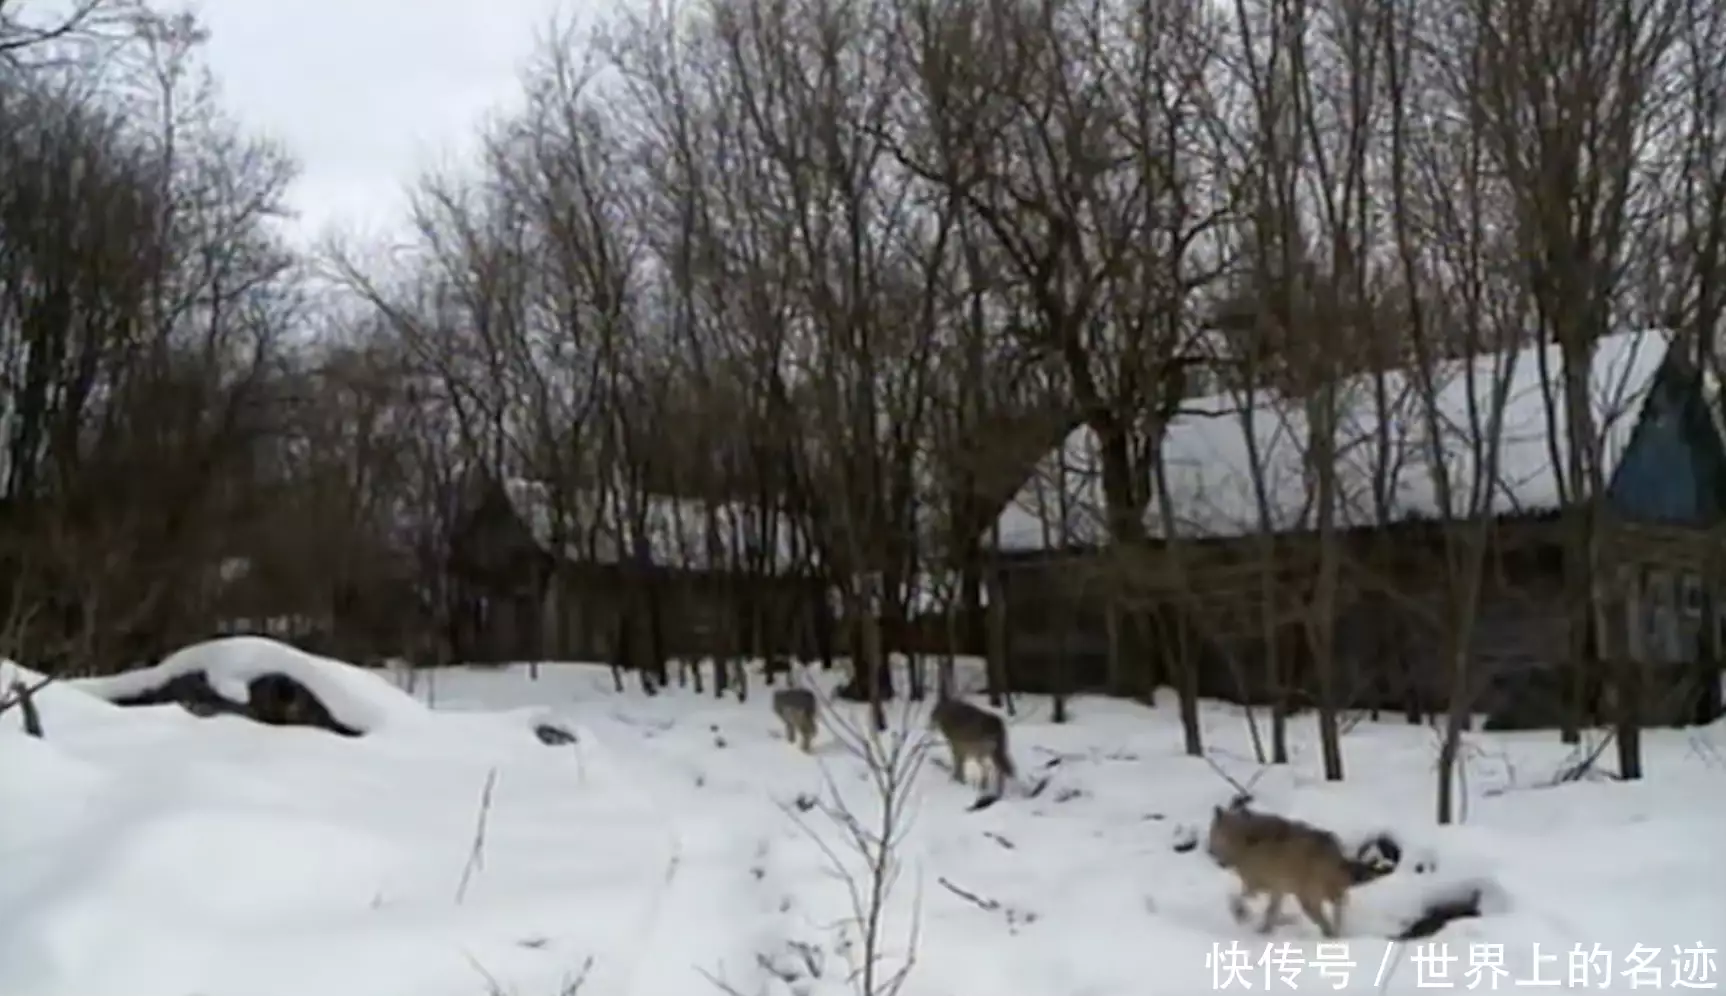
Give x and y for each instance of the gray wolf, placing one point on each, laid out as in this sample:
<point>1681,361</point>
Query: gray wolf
<point>1281,857</point>
<point>795,707</point>
<point>973,733</point>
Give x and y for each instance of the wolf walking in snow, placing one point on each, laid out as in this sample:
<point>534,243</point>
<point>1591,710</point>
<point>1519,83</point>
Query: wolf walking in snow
<point>795,707</point>
<point>974,733</point>
<point>1281,857</point>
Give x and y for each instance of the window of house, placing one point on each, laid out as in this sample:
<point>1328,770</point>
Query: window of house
<point>1691,597</point>
<point>1661,601</point>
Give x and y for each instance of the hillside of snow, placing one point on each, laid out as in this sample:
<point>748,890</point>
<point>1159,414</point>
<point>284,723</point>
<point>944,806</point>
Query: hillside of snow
<point>680,846</point>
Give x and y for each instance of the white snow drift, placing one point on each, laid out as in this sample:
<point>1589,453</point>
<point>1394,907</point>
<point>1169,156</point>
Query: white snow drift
<point>146,852</point>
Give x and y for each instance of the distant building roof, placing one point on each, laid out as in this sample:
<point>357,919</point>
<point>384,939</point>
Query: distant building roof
<point>1209,462</point>
<point>599,527</point>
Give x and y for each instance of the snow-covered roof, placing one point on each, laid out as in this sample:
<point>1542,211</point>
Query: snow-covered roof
<point>599,527</point>
<point>1209,463</point>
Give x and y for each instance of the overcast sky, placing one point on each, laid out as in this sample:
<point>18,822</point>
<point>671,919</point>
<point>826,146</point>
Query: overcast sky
<point>367,92</point>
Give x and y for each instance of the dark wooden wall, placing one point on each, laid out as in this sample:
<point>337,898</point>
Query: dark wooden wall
<point>1390,630</point>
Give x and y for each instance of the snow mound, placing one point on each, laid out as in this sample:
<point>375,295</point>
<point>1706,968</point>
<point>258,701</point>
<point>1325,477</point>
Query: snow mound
<point>51,787</point>
<point>271,865</point>
<point>172,876</point>
<point>58,702</point>
<point>274,683</point>
<point>236,668</point>
<point>162,855</point>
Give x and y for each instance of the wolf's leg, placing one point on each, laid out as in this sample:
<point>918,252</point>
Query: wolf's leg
<point>1238,904</point>
<point>1313,907</point>
<point>1272,910</point>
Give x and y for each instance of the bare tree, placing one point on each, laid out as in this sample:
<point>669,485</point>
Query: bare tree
<point>145,298</point>
<point>520,305</point>
<point>821,295</point>
<point>1072,139</point>
<point>1462,322</point>
<point>1573,98</point>
<point>29,41</point>
<point>565,165</point>
<point>1694,277</point>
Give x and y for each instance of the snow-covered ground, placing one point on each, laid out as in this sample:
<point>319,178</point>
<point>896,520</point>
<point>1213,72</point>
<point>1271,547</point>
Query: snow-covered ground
<point>682,847</point>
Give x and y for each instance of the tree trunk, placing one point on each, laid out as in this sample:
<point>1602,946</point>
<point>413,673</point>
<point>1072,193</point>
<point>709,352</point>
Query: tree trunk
<point>1060,675</point>
<point>1579,626</point>
<point>656,642</point>
<point>1450,746</point>
<point>1189,688</point>
<point>1628,657</point>
<point>1277,685</point>
<point>870,679</point>
<point>914,656</point>
<point>974,632</point>
<point>875,666</point>
<point>622,644</point>
<point>738,624</point>
<point>826,627</point>
<point>996,649</point>
<point>1116,650</point>
<point>1323,607</point>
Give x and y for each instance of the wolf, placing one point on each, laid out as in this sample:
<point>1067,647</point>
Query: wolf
<point>973,733</point>
<point>1281,857</point>
<point>795,707</point>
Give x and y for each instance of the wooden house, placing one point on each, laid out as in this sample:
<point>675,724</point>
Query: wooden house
<point>617,576</point>
<point>357,619</point>
<point>1223,592</point>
